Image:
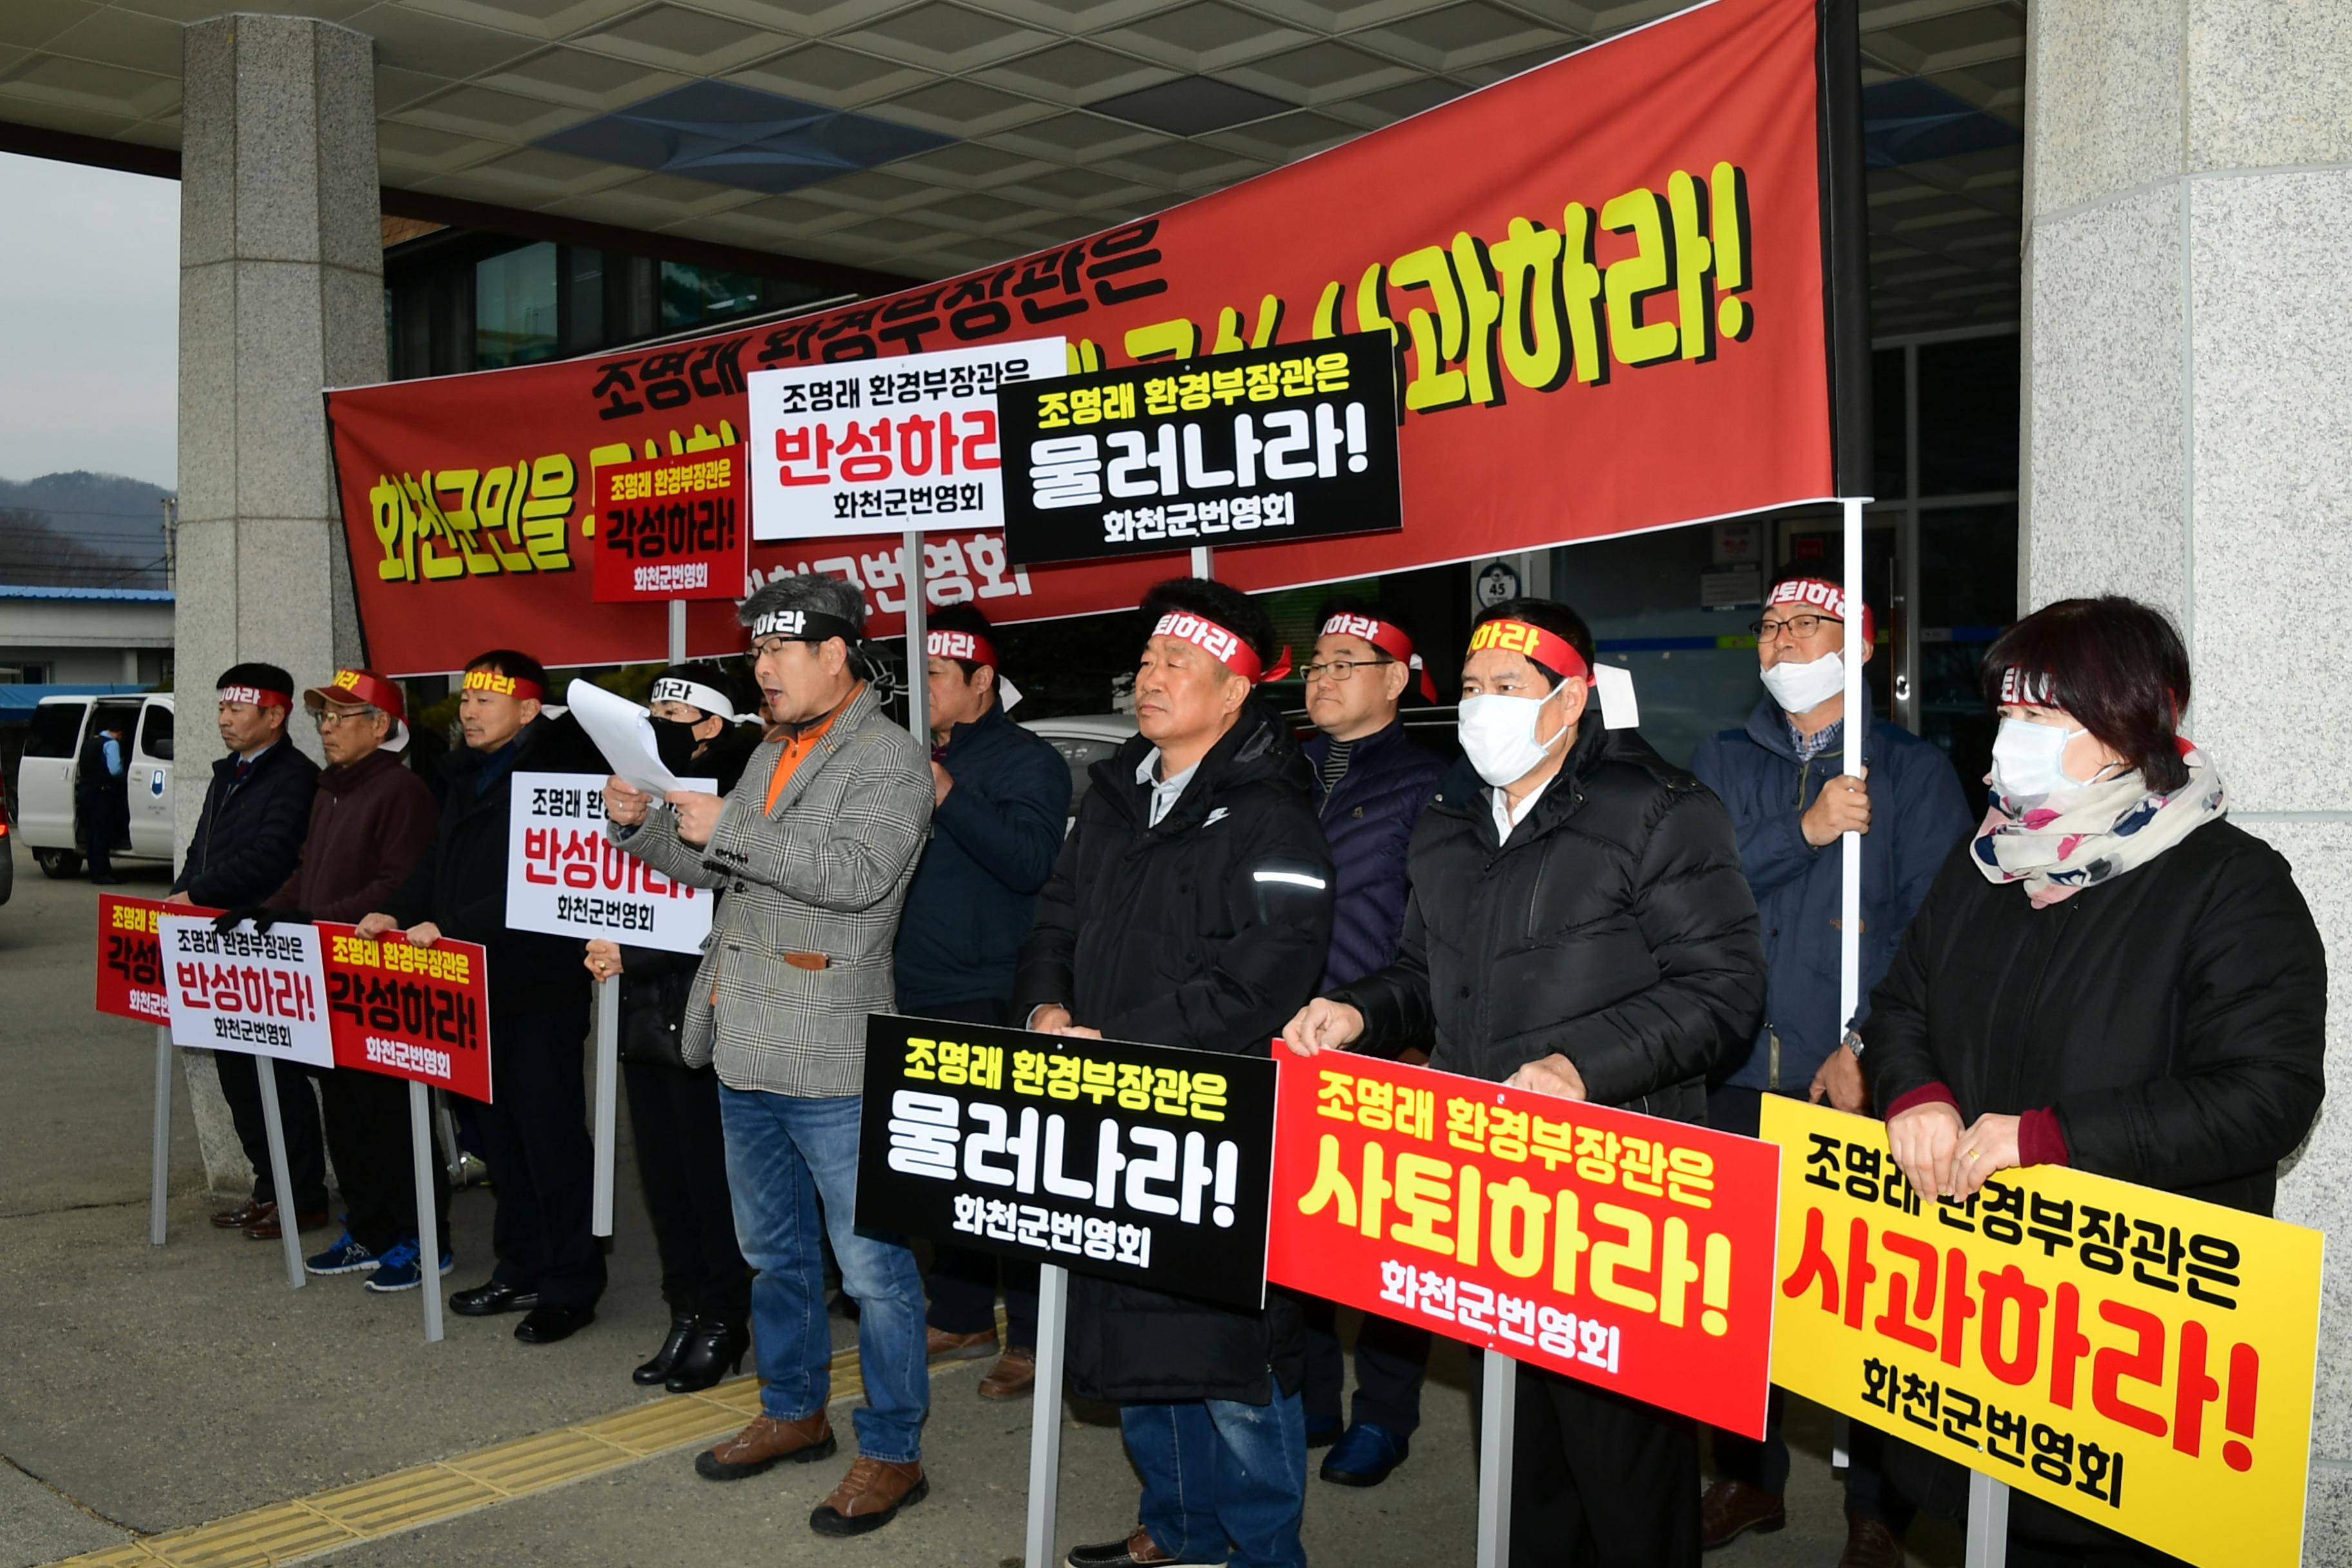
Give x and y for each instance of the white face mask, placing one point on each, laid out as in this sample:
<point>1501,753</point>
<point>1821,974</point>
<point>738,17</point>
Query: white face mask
<point>1498,735</point>
<point>1801,688</point>
<point>2029,760</point>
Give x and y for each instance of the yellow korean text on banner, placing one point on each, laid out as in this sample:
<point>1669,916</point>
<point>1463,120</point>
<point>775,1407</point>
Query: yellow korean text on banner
<point>2138,1358</point>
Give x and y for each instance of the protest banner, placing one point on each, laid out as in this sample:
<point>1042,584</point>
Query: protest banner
<point>671,527</point>
<point>261,992</point>
<point>1619,1249</point>
<point>420,1013</point>
<point>1590,271</point>
<point>1145,1164</point>
<point>415,1013</point>
<point>844,449</point>
<point>1256,448</point>
<point>131,985</point>
<point>130,960</point>
<point>2137,1357</point>
<point>566,879</point>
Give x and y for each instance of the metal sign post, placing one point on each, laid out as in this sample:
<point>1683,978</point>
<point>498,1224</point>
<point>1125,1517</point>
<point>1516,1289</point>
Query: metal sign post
<point>159,1178</point>
<point>1202,563</point>
<point>288,1216</point>
<point>1857,730</point>
<point>1045,1415</point>
<point>428,1223</point>
<point>1988,1521</point>
<point>1498,1437</point>
<point>918,686</point>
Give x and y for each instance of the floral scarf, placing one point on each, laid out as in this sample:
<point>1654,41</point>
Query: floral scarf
<point>2078,838</point>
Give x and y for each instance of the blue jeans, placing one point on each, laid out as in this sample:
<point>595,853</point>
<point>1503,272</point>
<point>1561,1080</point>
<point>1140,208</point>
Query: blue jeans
<point>784,1155</point>
<point>1215,1471</point>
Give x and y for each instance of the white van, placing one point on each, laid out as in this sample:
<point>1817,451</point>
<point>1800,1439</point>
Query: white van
<point>45,780</point>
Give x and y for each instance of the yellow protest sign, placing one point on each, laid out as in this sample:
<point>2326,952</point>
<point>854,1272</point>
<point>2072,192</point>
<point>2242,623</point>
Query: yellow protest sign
<point>2140,1359</point>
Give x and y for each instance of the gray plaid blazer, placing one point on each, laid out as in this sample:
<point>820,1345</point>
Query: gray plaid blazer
<point>824,873</point>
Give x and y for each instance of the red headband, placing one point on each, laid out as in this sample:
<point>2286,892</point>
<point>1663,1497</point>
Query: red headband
<point>1390,639</point>
<point>1225,646</point>
<point>1827,598</point>
<point>257,696</point>
<point>1550,649</point>
<point>968,646</point>
<point>514,686</point>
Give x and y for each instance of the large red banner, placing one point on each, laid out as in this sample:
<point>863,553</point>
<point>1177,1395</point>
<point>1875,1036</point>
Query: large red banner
<point>1604,280</point>
<point>1621,1249</point>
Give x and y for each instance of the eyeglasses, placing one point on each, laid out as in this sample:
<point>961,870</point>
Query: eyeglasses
<point>329,718</point>
<point>1795,627</point>
<point>1339,668</point>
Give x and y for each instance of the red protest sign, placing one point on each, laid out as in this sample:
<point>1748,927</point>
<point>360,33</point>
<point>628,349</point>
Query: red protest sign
<point>1623,1250</point>
<point>131,960</point>
<point>420,1013</point>
<point>671,527</point>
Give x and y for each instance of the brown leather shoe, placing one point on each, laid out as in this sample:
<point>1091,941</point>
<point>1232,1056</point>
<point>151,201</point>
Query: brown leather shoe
<point>1137,1550</point>
<point>764,1444</point>
<point>253,1211</point>
<point>1014,1376</point>
<point>1731,1508</point>
<point>1870,1544</point>
<point>870,1496</point>
<point>268,1229</point>
<point>940,1345</point>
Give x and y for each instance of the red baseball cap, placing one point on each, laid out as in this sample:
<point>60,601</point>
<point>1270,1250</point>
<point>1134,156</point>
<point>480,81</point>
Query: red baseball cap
<point>366,686</point>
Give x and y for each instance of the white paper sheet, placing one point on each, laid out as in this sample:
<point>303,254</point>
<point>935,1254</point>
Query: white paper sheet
<point>625,733</point>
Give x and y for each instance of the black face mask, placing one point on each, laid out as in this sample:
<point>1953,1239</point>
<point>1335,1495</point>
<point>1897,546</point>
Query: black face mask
<point>674,743</point>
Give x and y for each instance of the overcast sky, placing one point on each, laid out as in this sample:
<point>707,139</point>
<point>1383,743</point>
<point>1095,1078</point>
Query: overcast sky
<point>90,321</point>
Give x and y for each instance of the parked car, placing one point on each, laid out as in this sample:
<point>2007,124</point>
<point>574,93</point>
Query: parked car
<point>45,780</point>
<point>7,847</point>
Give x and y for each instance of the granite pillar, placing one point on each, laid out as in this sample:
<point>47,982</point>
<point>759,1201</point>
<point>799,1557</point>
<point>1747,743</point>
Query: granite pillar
<point>2189,431</point>
<point>281,295</point>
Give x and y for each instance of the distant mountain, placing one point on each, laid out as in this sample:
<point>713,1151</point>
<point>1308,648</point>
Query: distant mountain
<point>82,529</point>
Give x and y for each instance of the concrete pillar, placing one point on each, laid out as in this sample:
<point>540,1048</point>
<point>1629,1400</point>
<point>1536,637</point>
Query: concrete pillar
<point>281,294</point>
<point>2189,427</point>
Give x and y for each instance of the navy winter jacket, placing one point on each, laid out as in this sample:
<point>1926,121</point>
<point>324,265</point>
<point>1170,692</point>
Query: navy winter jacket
<point>1917,814</point>
<point>993,843</point>
<point>1367,821</point>
<point>249,838</point>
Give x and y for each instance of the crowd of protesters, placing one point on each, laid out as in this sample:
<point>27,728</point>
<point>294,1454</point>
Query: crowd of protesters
<point>2100,970</point>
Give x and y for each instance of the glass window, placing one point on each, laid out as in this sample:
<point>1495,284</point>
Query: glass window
<point>1968,415</point>
<point>1887,476</point>
<point>1968,596</point>
<point>56,727</point>
<point>514,306</point>
<point>691,295</point>
<point>155,732</point>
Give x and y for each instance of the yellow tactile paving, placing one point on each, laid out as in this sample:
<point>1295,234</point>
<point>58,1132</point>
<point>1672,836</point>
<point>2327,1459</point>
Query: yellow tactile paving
<point>288,1531</point>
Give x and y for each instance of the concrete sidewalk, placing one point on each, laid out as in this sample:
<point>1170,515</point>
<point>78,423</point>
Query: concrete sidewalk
<point>154,1389</point>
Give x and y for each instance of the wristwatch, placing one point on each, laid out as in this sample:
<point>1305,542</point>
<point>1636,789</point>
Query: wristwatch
<point>1852,1042</point>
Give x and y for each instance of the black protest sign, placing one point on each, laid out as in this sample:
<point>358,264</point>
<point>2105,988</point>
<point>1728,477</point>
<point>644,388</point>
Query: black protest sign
<point>1261,446</point>
<point>1147,1164</point>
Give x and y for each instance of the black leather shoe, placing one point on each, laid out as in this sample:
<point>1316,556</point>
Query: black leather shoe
<point>545,1325</point>
<point>488,1301</point>
<point>714,1350</point>
<point>681,1333</point>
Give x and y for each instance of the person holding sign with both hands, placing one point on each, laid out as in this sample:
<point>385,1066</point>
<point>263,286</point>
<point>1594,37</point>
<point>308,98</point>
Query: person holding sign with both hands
<point>1192,906</point>
<point>1579,927</point>
<point>2111,976</point>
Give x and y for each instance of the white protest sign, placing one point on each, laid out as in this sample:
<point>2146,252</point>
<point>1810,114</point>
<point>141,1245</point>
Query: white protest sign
<point>566,879</point>
<point>263,994</point>
<point>902,444</point>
